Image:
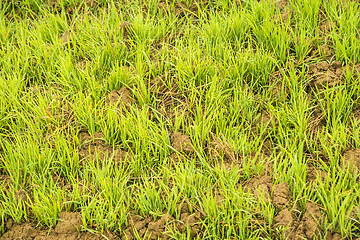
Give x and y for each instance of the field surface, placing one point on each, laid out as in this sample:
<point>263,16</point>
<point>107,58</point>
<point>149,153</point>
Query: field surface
<point>148,119</point>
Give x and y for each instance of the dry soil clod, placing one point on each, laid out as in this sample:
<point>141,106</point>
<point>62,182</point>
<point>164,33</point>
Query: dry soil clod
<point>351,160</point>
<point>181,143</point>
<point>118,97</point>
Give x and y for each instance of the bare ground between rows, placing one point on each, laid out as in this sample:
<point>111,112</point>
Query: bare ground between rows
<point>69,227</point>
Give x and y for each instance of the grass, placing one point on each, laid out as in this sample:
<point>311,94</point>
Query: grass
<point>233,76</point>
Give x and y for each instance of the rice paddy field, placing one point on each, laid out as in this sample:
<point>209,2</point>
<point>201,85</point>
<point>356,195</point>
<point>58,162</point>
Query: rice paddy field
<point>167,119</point>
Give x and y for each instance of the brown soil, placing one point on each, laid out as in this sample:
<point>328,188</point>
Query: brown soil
<point>181,143</point>
<point>285,12</point>
<point>68,227</point>
<point>310,222</point>
<point>65,38</point>
<point>334,236</point>
<point>325,74</point>
<point>182,146</point>
<point>284,218</point>
<point>267,147</point>
<point>309,225</point>
<point>313,173</point>
<point>260,187</point>
<point>281,196</point>
<point>82,64</point>
<point>118,97</point>
<point>172,104</point>
<point>148,228</point>
<point>351,160</point>
<point>94,147</point>
<point>181,10</point>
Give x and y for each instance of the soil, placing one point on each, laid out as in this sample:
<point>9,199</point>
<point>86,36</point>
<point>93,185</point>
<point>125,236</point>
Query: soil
<point>181,10</point>
<point>307,228</point>
<point>267,147</point>
<point>334,236</point>
<point>284,218</point>
<point>281,196</point>
<point>119,97</point>
<point>351,160</point>
<point>182,146</point>
<point>313,174</point>
<point>181,143</point>
<point>260,187</point>
<point>148,228</point>
<point>94,148</point>
<point>309,225</point>
<point>68,227</point>
<point>325,74</point>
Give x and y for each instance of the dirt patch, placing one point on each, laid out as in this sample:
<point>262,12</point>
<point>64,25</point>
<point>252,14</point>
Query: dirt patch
<point>334,236</point>
<point>282,4</point>
<point>268,147</point>
<point>325,74</point>
<point>54,5</point>
<point>82,64</point>
<point>309,226</point>
<point>182,143</point>
<point>94,147</point>
<point>70,222</point>
<point>281,196</point>
<point>351,160</point>
<point>313,174</point>
<point>284,218</point>
<point>65,38</point>
<point>68,227</point>
<point>147,228</point>
<point>125,28</point>
<point>266,119</point>
<point>260,187</point>
<point>326,26</point>
<point>172,104</point>
<point>182,146</point>
<point>285,12</point>
<point>317,121</point>
<point>119,97</point>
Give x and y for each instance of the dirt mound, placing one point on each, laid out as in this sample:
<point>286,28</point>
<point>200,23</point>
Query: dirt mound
<point>284,218</point>
<point>147,228</point>
<point>281,196</point>
<point>118,97</point>
<point>325,74</point>
<point>70,222</point>
<point>260,187</point>
<point>309,226</point>
<point>285,12</point>
<point>181,143</point>
<point>351,160</point>
<point>313,173</point>
<point>94,147</point>
<point>68,227</point>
